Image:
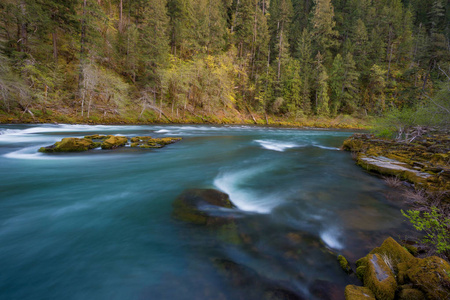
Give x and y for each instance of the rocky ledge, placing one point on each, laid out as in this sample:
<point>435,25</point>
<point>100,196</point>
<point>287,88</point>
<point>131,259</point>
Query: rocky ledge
<point>107,142</point>
<point>425,162</point>
<point>391,272</point>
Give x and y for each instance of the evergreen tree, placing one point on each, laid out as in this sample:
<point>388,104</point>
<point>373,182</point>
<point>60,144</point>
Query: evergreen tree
<point>323,28</point>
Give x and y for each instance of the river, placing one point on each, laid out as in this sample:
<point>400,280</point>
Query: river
<point>98,224</point>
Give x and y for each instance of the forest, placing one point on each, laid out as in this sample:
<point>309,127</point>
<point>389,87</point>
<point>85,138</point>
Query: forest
<point>140,59</point>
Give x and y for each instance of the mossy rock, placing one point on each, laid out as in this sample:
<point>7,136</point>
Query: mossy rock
<point>192,206</point>
<point>410,294</point>
<point>394,252</point>
<point>354,292</point>
<point>70,145</point>
<point>96,137</point>
<point>344,264</point>
<point>379,278</point>
<point>113,142</point>
<point>148,142</point>
<point>431,275</point>
<point>138,139</point>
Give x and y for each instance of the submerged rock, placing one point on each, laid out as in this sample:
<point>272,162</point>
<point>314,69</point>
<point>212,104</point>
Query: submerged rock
<point>195,206</point>
<point>258,287</point>
<point>70,145</point>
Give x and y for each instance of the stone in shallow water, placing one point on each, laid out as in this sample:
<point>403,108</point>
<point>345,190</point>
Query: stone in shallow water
<point>113,142</point>
<point>149,142</point>
<point>70,145</point>
<point>198,205</point>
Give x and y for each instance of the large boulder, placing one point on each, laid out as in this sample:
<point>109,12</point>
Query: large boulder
<point>113,142</point>
<point>70,145</point>
<point>380,278</point>
<point>431,275</point>
<point>391,272</point>
<point>199,206</point>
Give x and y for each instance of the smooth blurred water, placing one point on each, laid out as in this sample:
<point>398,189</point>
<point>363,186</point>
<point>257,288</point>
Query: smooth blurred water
<point>98,225</point>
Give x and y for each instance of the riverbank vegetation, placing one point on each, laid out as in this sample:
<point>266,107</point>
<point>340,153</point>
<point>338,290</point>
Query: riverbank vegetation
<point>226,61</point>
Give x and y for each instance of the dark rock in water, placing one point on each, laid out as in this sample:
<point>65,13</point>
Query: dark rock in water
<point>280,294</point>
<point>196,206</point>
<point>70,145</point>
<point>149,142</point>
<point>113,142</point>
<point>237,274</point>
<point>326,290</point>
<point>344,264</point>
<point>251,282</point>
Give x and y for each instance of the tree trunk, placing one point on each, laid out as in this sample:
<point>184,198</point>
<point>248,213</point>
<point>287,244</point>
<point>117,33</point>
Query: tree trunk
<point>82,42</point>
<point>280,52</point>
<point>121,16</point>
<point>55,45</point>
<point>23,28</point>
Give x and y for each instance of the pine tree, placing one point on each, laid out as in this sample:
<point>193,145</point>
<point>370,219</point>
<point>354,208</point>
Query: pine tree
<point>324,34</point>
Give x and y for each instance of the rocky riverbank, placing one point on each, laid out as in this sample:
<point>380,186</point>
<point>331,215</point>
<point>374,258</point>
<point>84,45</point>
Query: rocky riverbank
<point>390,271</point>
<point>425,162</point>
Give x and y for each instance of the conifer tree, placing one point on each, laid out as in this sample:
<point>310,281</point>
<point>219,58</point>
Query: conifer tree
<point>323,28</point>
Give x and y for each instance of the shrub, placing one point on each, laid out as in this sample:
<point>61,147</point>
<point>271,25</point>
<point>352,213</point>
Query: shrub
<point>435,225</point>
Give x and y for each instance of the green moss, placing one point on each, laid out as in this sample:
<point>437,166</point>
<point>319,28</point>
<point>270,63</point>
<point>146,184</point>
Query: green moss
<point>113,142</point>
<point>96,137</point>
<point>410,294</point>
<point>430,275</point>
<point>379,278</point>
<point>353,292</point>
<point>360,271</point>
<point>344,264</point>
<point>396,253</point>
<point>70,145</point>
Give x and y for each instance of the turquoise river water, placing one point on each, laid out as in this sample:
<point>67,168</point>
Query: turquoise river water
<point>98,225</point>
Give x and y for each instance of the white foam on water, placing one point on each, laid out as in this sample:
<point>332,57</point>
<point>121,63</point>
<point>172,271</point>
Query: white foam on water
<point>276,145</point>
<point>331,238</point>
<point>29,153</point>
<point>162,131</point>
<point>246,199</point>
<point>327,148</point>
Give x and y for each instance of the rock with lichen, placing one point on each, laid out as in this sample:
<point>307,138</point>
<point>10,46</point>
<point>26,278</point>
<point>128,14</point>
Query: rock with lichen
<point>424,162</point>
<point>354,292</point>
<point>391,272</point>
<point>147,142</point>
<point>113,142</point>
<point>70,145</point>
<point>431,275</point>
